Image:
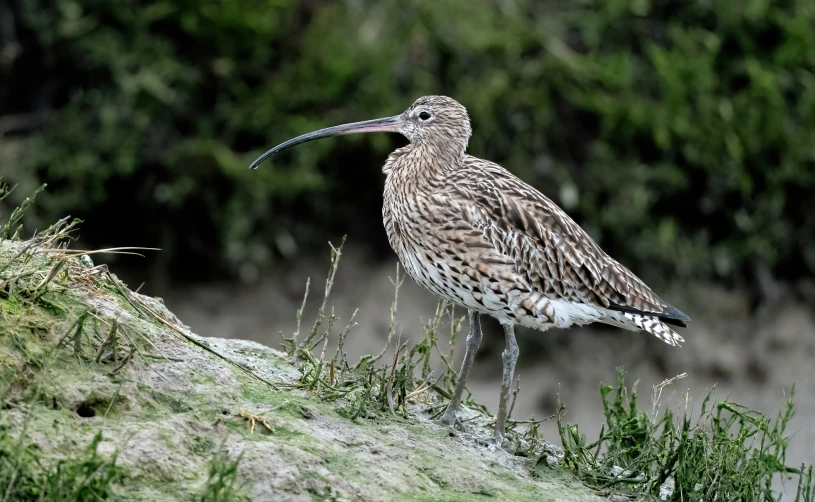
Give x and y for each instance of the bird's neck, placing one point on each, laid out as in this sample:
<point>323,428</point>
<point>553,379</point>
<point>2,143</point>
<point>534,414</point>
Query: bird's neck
<point>421,164</point>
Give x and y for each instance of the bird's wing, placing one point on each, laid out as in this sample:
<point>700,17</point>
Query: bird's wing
<point>549,249</point>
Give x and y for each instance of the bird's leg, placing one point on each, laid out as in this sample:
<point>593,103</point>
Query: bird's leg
<point>471,347</point>
<point>510,357</point>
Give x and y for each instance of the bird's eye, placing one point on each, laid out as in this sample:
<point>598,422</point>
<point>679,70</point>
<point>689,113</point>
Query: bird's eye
<point>424,116</point>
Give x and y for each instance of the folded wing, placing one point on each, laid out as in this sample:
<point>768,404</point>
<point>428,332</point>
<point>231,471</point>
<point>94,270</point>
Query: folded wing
<point>549,249</point>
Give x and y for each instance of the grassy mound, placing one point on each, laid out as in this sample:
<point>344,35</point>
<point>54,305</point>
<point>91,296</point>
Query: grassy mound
<point>105,394</point>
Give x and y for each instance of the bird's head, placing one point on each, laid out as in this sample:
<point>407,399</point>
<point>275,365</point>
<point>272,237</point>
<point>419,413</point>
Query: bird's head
<point>436,121</point>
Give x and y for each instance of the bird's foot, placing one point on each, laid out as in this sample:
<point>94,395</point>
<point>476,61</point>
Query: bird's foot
<point>495,442</point>
<point>449,420</point>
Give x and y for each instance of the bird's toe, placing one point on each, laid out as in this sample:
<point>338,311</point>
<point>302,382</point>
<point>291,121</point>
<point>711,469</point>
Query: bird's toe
<point>450,421</point>
<point>493,442</point>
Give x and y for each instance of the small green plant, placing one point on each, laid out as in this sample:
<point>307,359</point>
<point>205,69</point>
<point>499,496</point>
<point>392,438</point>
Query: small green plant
<point>11,229</point>
<point>367,387</point>
<point>24,476</point>
<point>222,484</point>
<point>729,453</point>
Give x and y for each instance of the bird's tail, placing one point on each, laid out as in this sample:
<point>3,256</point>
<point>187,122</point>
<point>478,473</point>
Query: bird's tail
<point>639,322</point>
<point>653,325</point>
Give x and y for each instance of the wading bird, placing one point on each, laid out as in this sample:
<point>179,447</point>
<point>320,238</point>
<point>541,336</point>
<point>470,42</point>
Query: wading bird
<point>470,231</point>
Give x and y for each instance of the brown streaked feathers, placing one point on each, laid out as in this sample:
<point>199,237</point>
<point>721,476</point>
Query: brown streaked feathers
<point>584,272</point>
<point>470,231</point>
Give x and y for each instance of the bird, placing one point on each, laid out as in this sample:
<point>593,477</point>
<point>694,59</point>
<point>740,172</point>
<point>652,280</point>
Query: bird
<point>470,231</point>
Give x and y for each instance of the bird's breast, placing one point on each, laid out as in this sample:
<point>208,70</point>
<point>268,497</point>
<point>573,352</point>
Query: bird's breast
<point>390,215</point>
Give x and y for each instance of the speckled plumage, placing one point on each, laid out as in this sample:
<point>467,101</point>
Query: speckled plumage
<point>470,231</point>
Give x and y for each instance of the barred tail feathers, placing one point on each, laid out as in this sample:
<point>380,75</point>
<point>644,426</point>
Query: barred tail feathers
<point>653,325</point>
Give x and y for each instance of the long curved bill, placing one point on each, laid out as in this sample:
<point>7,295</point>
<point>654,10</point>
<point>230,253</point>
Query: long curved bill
<point>388,124</point>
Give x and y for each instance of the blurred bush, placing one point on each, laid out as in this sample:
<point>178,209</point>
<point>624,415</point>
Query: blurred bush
<point>680,134</point>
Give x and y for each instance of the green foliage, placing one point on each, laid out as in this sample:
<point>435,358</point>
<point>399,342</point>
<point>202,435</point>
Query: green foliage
<point>679,133</point>
<point>222,484</point>
<point>366,387</point>
<point>85,477</point>
<point>717,100</point>
<point>730,453</point>
<point>11,229</point>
